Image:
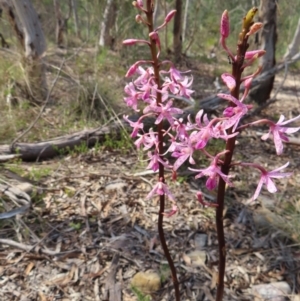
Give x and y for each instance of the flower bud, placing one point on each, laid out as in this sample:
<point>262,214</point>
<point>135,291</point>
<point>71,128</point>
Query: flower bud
<point>130,42</point>
<point>255,28</point>
<point>170,16</point>
<point>229,81</point>
<point>138,19</point>
<point>254,54</point>
<point>138,3</point>
<point>153,35</point>
<point>248,83</point>
<point>132,69</point>
<point>248,19</point>
<point>224,27</point>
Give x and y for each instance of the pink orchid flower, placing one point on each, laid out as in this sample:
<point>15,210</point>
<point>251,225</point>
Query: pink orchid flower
<point>234,113</point>
<point>183,152</point>
<point>266,177</point>
<point>138,125</point>
<point>279,132</point>
<point>213,172</point>
<point>164,111</point>
<point>155,159</point>
<point>160,188</point>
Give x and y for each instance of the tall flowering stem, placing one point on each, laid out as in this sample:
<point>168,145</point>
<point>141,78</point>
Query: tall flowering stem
<point>154,93</point>
<point>161,171</point>
<point>237,70</point>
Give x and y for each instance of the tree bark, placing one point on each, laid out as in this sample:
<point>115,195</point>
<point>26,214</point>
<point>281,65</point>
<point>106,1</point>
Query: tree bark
<point>186,10</point>
<point>177,31</point>
<point>268,38</point>
<point>61,25</point>
<point>107,38</point>
<point>28,30</point>
<point>75,15</point>
<point>156,13</point>
<point>293,48</point>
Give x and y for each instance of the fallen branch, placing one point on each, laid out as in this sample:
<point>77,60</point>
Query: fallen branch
<point>17,197</point>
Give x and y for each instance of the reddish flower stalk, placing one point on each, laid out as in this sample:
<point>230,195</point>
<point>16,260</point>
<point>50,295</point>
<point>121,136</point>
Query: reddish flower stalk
<point>161,173</point>
<point>237,70</point>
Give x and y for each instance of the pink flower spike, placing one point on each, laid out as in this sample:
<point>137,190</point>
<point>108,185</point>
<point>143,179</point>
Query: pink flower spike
<point>224,26</point>
<point>229,81</point>
<point>160,188</point>
<point>170,16</point>
<point>279,132</point>
<point>173,211</point>
<point>266,178</point>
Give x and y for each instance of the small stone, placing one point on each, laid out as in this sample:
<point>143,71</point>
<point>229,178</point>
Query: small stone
<point>265,220</point>
<point>115,186</point>
<point>200,241</point>
<point>197,258</point>
<point>26,187</point>
<point>146,282</point>
<point>275,291</point>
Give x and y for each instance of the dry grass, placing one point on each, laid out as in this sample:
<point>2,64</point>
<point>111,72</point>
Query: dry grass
<point>82,96</point>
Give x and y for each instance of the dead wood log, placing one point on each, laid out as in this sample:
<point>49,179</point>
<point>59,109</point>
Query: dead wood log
<point>51,148</point>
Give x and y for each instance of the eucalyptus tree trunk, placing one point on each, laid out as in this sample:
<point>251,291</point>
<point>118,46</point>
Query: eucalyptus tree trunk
<point>108,22</point>
<point>267,40</point>
<point>293,48</point>
<point>177,31</point>
<point>29,32</point>
<point>75,15</point>
<point>156,13</point>
<point>186,10</point>
<point>61,24</point>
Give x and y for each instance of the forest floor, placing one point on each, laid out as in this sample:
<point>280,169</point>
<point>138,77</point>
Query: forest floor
<point>90,228</point>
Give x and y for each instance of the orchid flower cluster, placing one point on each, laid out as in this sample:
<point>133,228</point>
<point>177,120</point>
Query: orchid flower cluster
<point>151,89</point>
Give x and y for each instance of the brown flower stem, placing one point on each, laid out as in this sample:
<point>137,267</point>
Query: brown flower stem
<point>237,71</point>
<point>155,62</point>
<point>165,248</point>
